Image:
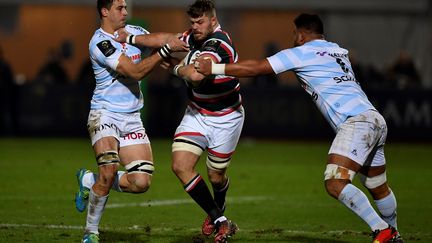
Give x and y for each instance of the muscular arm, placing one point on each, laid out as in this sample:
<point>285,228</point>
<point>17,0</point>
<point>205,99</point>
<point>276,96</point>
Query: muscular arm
<point>154,40</point>
<point>138,71</point>
<point>246,68</point>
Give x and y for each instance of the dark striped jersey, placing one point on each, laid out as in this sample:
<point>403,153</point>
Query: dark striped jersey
<point>217,94</point>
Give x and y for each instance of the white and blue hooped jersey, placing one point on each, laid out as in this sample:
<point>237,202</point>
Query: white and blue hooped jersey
<point>324,71</point>
<point>113,91</point>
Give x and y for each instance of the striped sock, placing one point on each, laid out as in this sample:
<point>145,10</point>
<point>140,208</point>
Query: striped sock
<point>387,208</point>
<point>95,209</point>
<point>200,193</point>
<point>356,200</point>
<point>220,194</point>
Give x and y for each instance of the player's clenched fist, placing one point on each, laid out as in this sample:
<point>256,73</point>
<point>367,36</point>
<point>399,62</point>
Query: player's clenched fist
<point>204,65</point>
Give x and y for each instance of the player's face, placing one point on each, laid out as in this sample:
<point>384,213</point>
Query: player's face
<point>202,26</point>
<point>118,13</point>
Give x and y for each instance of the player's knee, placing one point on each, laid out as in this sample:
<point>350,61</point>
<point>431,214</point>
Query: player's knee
<point>108,166</point>
<point>141,184</point>
<point>337,172</point>
<point>108,158</point>
<point>217,178</point>
<point>139,175</point>
<point>334,187</point>
<point>140,167</point>
<point>106,179</point>
<point>185,145</point>
<point>218,164</point>
<point>177,167</point>
<point>374,181</point>
<point>336,178</point>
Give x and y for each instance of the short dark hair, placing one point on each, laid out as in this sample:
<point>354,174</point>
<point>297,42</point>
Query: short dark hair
<point>311,22</point>
<point>201,7</point>
<point>103,4</point>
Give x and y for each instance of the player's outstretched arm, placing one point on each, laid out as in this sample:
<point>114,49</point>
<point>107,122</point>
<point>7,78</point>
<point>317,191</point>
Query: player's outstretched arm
<point>138,71</point>
<point>246,68</point>
<point>153,40</point>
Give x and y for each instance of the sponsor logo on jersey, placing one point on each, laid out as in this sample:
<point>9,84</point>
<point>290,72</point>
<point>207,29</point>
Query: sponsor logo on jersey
<point>338,55</point>
<point>135,57</point>
<point>106,48</point>
<point>211,45</point>
<point>344,78</point>
<point>321,53</point>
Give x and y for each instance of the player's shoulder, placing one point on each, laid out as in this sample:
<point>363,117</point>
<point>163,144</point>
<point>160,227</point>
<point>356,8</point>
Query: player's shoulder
<point>136,30</point>
<point>101,42</point>
<point>336,48</point>
<point>220,35</point>
<point>217,39</point>
<point>320,44</point>
<point>98,37</point>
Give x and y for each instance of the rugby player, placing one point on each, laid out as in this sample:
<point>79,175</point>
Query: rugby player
<point>213,120</point>
<point>114,124</point>
<point>324,71</point>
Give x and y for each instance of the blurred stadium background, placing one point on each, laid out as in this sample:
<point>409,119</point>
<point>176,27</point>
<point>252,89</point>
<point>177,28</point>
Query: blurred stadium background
<point>46,44</point>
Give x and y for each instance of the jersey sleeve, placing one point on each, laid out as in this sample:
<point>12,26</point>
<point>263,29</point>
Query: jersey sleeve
<point>211,48</point>
<point>105,53</point>
<point>285,60</point>
<point>222,50</point>
<point>138,30</point>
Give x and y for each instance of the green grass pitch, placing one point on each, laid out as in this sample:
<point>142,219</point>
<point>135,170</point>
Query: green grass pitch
<point>276,195</point>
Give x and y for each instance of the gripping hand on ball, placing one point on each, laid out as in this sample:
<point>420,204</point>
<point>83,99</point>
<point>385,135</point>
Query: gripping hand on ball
<point>203,65</point>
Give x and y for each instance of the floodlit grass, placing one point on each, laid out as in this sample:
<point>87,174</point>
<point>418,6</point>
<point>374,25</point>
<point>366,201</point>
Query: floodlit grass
<point>276,195</point>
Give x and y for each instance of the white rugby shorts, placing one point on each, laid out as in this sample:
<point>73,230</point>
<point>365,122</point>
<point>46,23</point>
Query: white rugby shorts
<point>221,133</point>
<point>127,128</point>
<point>362,138</point>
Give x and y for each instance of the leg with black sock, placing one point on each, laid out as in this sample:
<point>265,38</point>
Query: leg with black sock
<point>200,193</point>
<point>219,194</point>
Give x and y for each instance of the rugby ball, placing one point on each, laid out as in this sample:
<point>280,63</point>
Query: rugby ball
<point>190,59</point>
<point>191,56</point>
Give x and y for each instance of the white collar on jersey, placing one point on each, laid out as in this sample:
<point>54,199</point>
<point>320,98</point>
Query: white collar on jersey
<point>218,28</point>
<point>106,33</point>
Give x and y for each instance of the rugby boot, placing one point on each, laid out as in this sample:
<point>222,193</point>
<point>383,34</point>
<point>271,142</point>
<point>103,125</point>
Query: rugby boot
<point>208,227</point>
<point>225,230</point>
<point>397,239</point>
<point>82,195</point>
<point>90,238</point>
<point>385,235</point>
